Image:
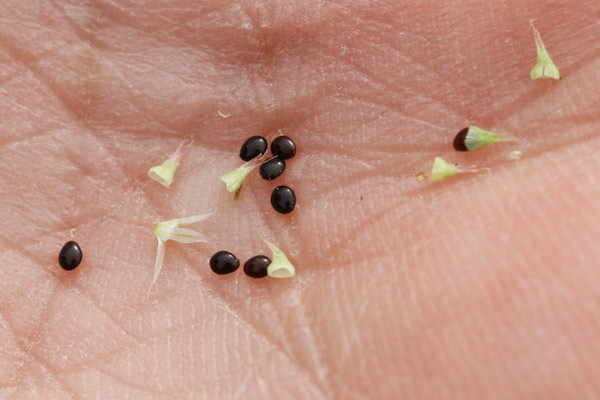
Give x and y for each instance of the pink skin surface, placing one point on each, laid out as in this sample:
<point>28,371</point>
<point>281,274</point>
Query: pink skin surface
<point>483,286</point>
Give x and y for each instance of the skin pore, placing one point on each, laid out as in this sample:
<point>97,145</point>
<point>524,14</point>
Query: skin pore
<point>482,286</point>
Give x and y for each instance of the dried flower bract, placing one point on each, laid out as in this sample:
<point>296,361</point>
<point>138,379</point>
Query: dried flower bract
<point>234,179</point>
<point>165,172</point>
<point>545,67</point>
<point>473,138</point>
<point>280,266</point>
<point>442,169</point>
<point>171,230</point>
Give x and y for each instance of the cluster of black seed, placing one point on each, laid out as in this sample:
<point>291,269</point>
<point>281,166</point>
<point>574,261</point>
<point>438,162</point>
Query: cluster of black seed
<point>224,262</point>
<point>283,198</point>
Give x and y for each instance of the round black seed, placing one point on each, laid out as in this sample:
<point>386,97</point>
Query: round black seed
<point>283,199</point>
<point>223,262</point>
<point>256,267</point>
<point>252,147</point>
<point>272,168</point>
<point>459,140</point>
<point>284,147</point>
<point>70,256</point>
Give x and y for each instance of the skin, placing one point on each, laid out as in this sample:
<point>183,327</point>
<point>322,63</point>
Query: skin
<point>482,286</point>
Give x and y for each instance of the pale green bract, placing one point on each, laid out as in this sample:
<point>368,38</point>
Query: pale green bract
<point>477,138</point>
<point>171,230</point>
<point>442,169</point>
<point>545,67</point>
<point>234,179</point>
<point>280,266</point>
<point>165,172</point>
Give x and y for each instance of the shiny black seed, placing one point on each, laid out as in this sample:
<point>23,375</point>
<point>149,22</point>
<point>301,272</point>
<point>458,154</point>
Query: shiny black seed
<point>459,140</point>
<point>283,199</point>
<point>283,147</point>
<point>223,262</point>
<point>70,256</point>
<point>272,168</point>
<point>256,267</point>
<point>252,147</point>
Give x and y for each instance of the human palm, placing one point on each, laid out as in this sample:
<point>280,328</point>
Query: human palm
<point>481,286</point>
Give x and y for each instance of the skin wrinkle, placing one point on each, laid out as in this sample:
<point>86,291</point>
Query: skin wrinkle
<point>32,338</point>
<point>460,312</point>
<point>80,291</point>
<point>561,124</point>
<point>535,95</point>
<point>170,393</point>
<point>82,34</point>
<point>139,110</point>
<point>121,18</point>
<point>344,356</point>
<point>31,356</point>
<point>134,385</point>
<point>216,296</point>
<point>68,106</point>
<point>71,225</point>
<point>386,107</point>
<point>358,177</point>
<point>20,54</point>
<point>65,230</point>
<point>290,354</point>
<point>334,255</point>
<point>9,138</point>
<point>146,306</point>
<point>276,344</point>
<point>383,214</point>
<point>170,39</point>
<point>6,327</point>
<point>8,391</point>
<point>43,79</point>
<point>372,77</point>
<point>133,390</point>
<point>42,383</point>
<point>8,144</point>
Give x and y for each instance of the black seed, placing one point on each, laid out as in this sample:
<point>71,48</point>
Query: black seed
<point>252,147</point>
<point>283,199</point>
<point>272,168</point>
<point>70,256</point>
<point>283,147</point>
<point>459,140</point>
<point>256,267</point>
<point>223,262</point>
